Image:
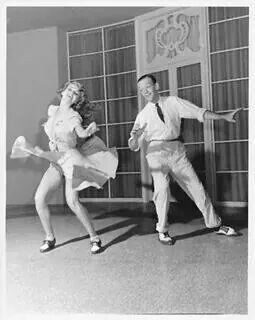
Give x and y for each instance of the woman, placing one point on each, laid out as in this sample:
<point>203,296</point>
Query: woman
<point>92,164</point>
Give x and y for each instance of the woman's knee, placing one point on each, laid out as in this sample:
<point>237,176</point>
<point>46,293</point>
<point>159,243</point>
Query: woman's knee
<point>40,200</point>
<point>73,202</point>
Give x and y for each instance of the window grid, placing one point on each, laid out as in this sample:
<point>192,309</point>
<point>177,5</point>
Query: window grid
<point>101,51</point>
<point>127,172</point>
<point>231,171</point>
<point>105,108</point>
<point>104,77</point>
<point>192,143</point>
<point>190,87</point>
<point>226,20</point>
<point>228,141</point>
<point>96,28</point>
<point>226,81</point>
<point>229,80</point>
<point>228,50</point>
<point>85,54</point>
<point>88,78</point>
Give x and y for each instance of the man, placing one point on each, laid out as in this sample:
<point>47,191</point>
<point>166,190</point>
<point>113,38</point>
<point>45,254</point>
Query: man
<point>159,124</point>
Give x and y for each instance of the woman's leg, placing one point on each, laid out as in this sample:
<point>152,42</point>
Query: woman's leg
<point>51,180</point>
<point>72,199</point>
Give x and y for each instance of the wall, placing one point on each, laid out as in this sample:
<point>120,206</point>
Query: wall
<point>36,67</point>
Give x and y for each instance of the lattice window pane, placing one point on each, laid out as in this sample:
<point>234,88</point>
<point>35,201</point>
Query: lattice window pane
<point>230,95</point>
<point>129,161</point>
<point>119,134</point>
<point>231,156</point>
<point>192,130</point>
<point>236,35</point>
<point>193,95</point>
<point>102,133</point>
<point>119,36</point>
<point>222,13</point>
<point>189,75</point>
<point>122,110</point>
<point>85,42</point>
<point>86,66</point>
<point>230,65</point>
<point>126,186</point>
<point>232,186</point>
<point>95,193</point>
<point>228,131</point>
<point>95,88</point>
<point>123,85</point>
<point>196,155</point>
<point>99,112</point>
<point>120,60</point>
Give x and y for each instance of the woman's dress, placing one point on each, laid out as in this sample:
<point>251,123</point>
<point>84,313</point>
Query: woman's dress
<point>90,164</point>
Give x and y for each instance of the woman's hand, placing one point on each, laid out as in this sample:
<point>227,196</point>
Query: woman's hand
<point>52,145</point>
<point>91,129</point>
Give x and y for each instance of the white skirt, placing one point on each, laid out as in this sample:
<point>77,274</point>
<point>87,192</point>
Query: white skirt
<point>90,165</point>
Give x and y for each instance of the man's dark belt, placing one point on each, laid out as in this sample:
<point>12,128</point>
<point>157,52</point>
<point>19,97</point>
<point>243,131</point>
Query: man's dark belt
<point>169,140</point>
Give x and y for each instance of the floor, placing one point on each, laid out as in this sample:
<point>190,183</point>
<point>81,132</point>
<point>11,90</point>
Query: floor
<point>203,273</point>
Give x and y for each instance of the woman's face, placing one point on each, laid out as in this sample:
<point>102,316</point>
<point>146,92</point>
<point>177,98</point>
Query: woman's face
<point>71,94</point>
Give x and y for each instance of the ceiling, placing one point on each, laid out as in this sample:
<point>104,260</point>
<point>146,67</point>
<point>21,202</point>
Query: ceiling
<point>69,18</point>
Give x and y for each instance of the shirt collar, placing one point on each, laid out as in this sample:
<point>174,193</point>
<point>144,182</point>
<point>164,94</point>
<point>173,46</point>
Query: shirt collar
<point>152,104</point>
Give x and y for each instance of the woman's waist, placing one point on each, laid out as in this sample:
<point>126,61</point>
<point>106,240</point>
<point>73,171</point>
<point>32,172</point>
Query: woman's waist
<point>63,146</point>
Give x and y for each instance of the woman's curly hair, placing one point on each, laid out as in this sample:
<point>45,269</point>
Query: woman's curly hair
<point>82,106</point>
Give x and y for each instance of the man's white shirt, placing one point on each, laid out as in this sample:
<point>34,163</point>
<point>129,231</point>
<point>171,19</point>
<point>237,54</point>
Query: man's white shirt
<point>174,109</point>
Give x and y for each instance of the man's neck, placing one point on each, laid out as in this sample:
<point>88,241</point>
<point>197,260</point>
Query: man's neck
<point>156,100</point>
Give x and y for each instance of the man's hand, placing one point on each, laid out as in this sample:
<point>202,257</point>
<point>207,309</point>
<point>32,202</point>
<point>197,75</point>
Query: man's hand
<point>230,116</point>
<point>137,131</point>
<point>135,134</point>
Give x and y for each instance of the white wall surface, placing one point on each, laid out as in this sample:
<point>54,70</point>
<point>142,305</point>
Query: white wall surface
<point>36,67</point>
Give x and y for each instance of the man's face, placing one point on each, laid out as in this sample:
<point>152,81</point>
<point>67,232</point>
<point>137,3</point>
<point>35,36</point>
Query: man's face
<point>148,89</point>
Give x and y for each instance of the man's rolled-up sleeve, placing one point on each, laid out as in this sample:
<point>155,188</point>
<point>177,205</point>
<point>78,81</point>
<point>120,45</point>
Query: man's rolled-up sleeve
<point>189,110</point>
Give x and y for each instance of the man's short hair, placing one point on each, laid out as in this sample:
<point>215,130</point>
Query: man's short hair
<point>148,75</point>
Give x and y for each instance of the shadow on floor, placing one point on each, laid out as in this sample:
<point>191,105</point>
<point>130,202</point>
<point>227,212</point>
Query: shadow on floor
<point>142,219</point>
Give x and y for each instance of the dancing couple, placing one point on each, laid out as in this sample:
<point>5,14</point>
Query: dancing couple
<point>92,163</point>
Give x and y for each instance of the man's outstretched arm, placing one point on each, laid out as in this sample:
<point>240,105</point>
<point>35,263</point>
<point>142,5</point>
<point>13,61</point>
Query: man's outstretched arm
<point>227,116</point>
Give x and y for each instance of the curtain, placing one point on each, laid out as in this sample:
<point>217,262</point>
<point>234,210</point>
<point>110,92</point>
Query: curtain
<point>108,72</point>
<point>229,76</point>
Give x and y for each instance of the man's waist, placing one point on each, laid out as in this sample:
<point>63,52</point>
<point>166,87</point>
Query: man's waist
<point>165,140</point>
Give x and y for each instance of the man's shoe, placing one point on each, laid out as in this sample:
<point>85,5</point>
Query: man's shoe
<point>165,238</point>
<point>227,231</point>
<point>96,246</point>
<point>47,245</point>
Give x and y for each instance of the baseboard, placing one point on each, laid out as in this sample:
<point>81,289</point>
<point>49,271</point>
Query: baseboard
<point>15,210</point>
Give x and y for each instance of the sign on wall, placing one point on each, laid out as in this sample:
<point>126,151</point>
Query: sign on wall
<point>168,36</point>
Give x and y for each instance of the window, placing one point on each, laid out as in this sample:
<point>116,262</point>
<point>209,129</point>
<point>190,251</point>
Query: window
<point>104,60</point>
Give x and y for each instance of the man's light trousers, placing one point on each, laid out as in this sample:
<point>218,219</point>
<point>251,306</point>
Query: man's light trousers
<point>166,158</point>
